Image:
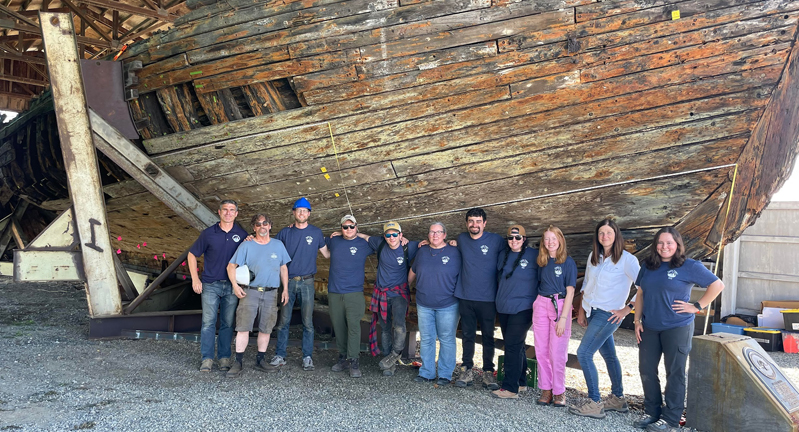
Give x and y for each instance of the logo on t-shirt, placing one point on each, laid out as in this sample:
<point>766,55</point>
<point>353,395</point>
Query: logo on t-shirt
<point>558,271</point>
<point>273,256</point>
<point>400,260</point>
<point>484,248</point>
<point>523,263</point>
<point>309,239</point>
<point>236,238</point>
<point>671,274</point>
<point>353,250</point>
<point>445,259</point>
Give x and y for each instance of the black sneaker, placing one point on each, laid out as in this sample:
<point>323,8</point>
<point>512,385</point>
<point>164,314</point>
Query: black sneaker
<point>342,365</point>
<point>263,366</point>
<point>235,370</point>
<point>355,371</point>
<point>443,382</point>
<point>421,379</point>
<point>645,421</point>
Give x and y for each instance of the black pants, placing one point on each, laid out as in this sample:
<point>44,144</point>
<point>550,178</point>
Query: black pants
<point>673,345</point>
<point>472,313</point>
<point>514,332</point>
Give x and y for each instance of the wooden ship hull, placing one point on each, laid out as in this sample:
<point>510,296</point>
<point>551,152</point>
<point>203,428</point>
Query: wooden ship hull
<point>547,112</point>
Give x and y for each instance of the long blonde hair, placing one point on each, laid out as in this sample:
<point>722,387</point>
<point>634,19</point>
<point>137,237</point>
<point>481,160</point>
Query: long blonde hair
<point>560,255</point>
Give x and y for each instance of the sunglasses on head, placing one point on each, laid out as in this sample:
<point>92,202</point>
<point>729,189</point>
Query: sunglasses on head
<point>392,235</point>
<point>258,224</point>
<point>348,227</point>
<point>514,237</point>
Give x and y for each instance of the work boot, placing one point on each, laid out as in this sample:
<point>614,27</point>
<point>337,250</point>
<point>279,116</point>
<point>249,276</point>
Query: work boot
<point>615,403</point>
<point>235,370</point>
<point>559,401</point>
<point>307,363</point>
<point>390,371</point>
<point>489,381</point>
<point>546,397</point>
<point>589,409</point>
<point>206,365</point>
<point>645,421</point>
<point>355,371</point>
<point>277,361</point>
<point>504,394</point>
<point>466,378</point>
<point>263,366</point>
<point>224,364</point>
<point>343,364</point>
<point>389,360</point>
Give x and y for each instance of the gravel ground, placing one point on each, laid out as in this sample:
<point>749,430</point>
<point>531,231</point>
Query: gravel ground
<point>54,378</point>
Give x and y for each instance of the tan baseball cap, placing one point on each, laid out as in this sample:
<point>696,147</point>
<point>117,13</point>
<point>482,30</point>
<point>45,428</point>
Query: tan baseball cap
<point>391,225</point>
<point>517,230</point>
<point>348,218</point>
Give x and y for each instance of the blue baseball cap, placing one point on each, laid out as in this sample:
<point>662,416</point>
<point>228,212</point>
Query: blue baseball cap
<point>302,203</point>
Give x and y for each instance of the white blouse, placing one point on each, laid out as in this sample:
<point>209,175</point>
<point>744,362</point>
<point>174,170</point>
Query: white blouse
<point>607,284</point>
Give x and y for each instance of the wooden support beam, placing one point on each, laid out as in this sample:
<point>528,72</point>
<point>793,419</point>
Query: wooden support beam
<point>5,225</point>
<point>19,235</point>
<point>16,79</point>
<point>136,163</point>
<point>161,15</point>
<point>156,283</point>
<point>80,160</point>
<point>18,16</point>
<point>124,280</point>
<point>87,20</point>
<point>37,31</point>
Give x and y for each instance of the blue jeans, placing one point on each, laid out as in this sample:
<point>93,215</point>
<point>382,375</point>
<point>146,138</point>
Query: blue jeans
<point>441,323</point>
<point>599,337</point>
<point>217,297</point>
<point>303,290</point>
<point>393,329</point>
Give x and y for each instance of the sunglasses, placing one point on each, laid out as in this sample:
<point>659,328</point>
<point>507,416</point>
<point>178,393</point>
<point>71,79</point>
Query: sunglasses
<point>348,227</point>
<point>514,237</point>
<point>392,235</point>
<point>258,224</point>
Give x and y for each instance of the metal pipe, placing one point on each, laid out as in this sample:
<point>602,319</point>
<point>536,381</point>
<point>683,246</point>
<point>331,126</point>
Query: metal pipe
<point>155,284</point>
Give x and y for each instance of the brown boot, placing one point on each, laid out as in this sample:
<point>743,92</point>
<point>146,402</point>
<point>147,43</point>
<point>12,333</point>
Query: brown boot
<point>559,401</point>
<point>546,397</point>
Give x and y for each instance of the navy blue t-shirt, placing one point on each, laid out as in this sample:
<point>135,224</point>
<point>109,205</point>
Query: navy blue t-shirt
<point>517,293</point>
<point>554,278</point>
<point>347,262</point>
<point>478,280</point>
<point>663,286</point>
<point>437,273</point>
<point>218,247</point>
<point>391,267</point>
<point>302,246</point>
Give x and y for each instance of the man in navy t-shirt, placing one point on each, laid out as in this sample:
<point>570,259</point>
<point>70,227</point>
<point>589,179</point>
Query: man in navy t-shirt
<point>476,292</point>
<point>348,255</point>
<point>302,241</point>
<point>218,243</point>
<point>391,295</point>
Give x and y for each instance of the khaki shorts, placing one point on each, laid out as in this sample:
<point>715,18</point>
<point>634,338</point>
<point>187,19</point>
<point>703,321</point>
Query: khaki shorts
<point>257,304</point>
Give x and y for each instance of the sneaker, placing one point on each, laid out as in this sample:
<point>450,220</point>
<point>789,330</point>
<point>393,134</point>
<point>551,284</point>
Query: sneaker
<point>489,381</point>
<point>615,403</point>
<point>390,371</point>
<point>263,366</point>
<point>355,370</point>
<point>589,409</point>
<point>342,365</point>
<point>206,365</point>
<point>645,421</point>
<point>224,364</point>
<point>522,389</point>
<point>389,360</point>
<point>421,379</point>
<point>277,361</point>
<point>307,363</point>
<point>662,426</point>
<point>235,370</point>
<point>443,382</point>
<point>504,394</point>
<point>465,378</point>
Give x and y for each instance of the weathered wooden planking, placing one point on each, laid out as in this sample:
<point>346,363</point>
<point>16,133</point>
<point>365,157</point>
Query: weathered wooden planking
<point>176,62</point>
<point>273,71</point>
<point>176,103</point>
<point>263,98</point>
<point>596,11</point>
<point>213,107</point>
<point>223,66</point>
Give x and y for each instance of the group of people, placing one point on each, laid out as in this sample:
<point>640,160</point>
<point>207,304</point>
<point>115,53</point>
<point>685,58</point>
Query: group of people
<point>476,279</point>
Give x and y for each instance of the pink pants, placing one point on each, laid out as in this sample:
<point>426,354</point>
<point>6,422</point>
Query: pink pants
<point>551,351</point>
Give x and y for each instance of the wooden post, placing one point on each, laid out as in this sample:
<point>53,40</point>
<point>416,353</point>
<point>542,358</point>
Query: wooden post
<point>80,159</point>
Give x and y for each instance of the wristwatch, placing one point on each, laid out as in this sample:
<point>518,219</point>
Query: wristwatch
<point>698,306</point>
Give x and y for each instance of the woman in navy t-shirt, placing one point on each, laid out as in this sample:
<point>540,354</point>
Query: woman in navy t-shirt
<point>436,269</point>
<point>552,315</point>
<point>664,323</point>
<point>517,271</point>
